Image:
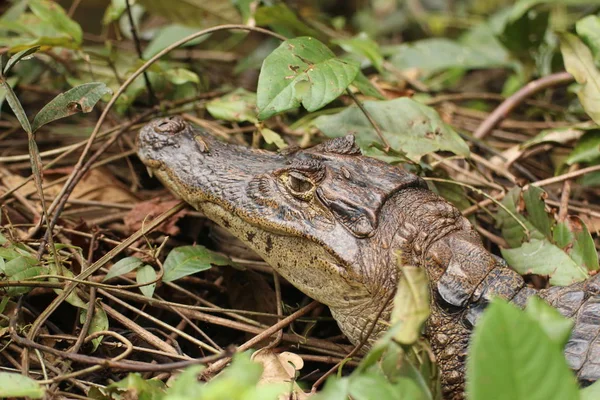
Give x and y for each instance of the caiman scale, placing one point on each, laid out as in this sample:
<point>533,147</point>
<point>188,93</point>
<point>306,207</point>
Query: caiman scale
<point>330,220</point>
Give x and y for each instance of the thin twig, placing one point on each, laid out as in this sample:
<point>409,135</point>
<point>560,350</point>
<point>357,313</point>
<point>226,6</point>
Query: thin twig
<point>370,119</point>
<point>517,98</point>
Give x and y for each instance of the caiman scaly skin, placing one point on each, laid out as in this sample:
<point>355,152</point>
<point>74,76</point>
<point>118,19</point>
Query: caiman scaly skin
<point>330,220</point>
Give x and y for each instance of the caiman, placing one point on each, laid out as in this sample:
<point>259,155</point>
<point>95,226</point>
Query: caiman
<point>331,222</point>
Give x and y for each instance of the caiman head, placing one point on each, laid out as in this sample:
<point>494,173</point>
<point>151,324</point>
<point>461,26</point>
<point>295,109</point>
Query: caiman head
<point>316,215</point>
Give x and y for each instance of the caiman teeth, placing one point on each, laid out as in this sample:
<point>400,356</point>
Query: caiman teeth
<point>150,172</point>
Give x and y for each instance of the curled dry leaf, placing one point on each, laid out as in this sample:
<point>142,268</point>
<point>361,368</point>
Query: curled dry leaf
<point>278,368</point>
<point>147,210</point>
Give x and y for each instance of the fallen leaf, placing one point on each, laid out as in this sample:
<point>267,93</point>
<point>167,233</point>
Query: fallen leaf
<point>281,368</point>
<point>147,210</point>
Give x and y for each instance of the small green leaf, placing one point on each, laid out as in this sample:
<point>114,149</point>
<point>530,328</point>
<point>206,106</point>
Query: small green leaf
<point>168,35</point>
<point>557,327</point>
<point>512,358</point>
<point>98,323</point>
<point>18,57</point>
<point>50,12</point>
<point>512,231</point>
<point>12,81</point>
<point>198,13</point>
<point>239,106</point>
<point>370,385</point>
<point>146,389</point>
<point>408,126</point>
<point>123,266</point>
<point>187,260</point>
<point>411,304</point>
<point>301,71</point>
<point>16,106</point>
<point>179,76</point>
<point>272,137</point>
<point>543,258</point>
<point>580,63</point>
<point>81,98</point>
<point>562,235</point>
<point>362,83</point>
<point>335,389</point>
<point>17,385</point>
<point>583,251</point>
<point>536,211</point>
<point>283,20</point>
<point>113,12</point>
<point>146,274</point>
<point>587,149</point>
<point>365,47</point>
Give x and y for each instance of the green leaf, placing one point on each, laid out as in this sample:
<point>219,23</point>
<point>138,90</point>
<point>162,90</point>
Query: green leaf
<point>197,13</point>
<point>408,126</point>
<point>123,266</point>
<point>583,251</point>
<point>50,12</point>
<point>512,231</point>
<point>562,235</point>
<point>362,83</point>
<point>186,384</point>
<point>369,386</point>
<point>239,106</point>
<point>98,323</point>
<point>524,29</point>
<point>17,385</point>
<point>438,54</point>
<point>144,389</point>
<point>12,81</point>
<point>580,63</point>
<point>272,137</point>
<point>363,46</point>
<point>283,21</point>
<point>536,210</point>
<point>512,358</point>
<point>334,389</point>
<point>591,392</point>
<point>16,106</point>
<point>301,71</point>
<point>23,275</point>
<point>18,57</point>
<point>113,12</point>
<point>557,327</point>
<point>168,35</point>
<point>411,304</point>
<point>81,98</point>
<point>588,28</point>
<point>543,258</point>
<point>187,260</point>
<point>146,274</point>
<point>587,149</point>
<point>180,76</point>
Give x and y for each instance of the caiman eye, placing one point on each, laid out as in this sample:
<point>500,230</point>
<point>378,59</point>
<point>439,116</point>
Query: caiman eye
<point>299,185</point>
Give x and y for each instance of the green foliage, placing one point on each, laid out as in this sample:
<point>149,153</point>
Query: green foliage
<point>187,260</point>
<point>17,385</point>
<point>409,127</point>
<point>301,71</point>
<point>512,357</point>
<point>238,106</point>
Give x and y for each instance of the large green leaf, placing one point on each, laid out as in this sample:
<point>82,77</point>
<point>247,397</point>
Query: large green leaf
<point>302,71</point>
<point>17,385</point>
<point>187,260</point>
<point>544,258</point>
<point>512,358</point>
<point>579,62</point>
<point>557,327</point>
<point>407,125</point>
<point>81,98</point>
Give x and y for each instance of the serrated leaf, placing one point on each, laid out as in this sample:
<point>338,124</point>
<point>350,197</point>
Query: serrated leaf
<point>408,126</point>
<point>512,358</point>
<point>18,57</point>
<point>587,149</point>
<point>239,106</point>
<point>17,385</point>
<point>301,71</point>
<point>543,258</point>
<point>98,323</point>
<point>146,274</point>
<point>123,266</point>
<point>52,13</point>
<point>557,327</point>
<point>198,13</point>
<point>187,260</point>
<point>411,304</point>
<point>81,98</point>
<point>580,63</point>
